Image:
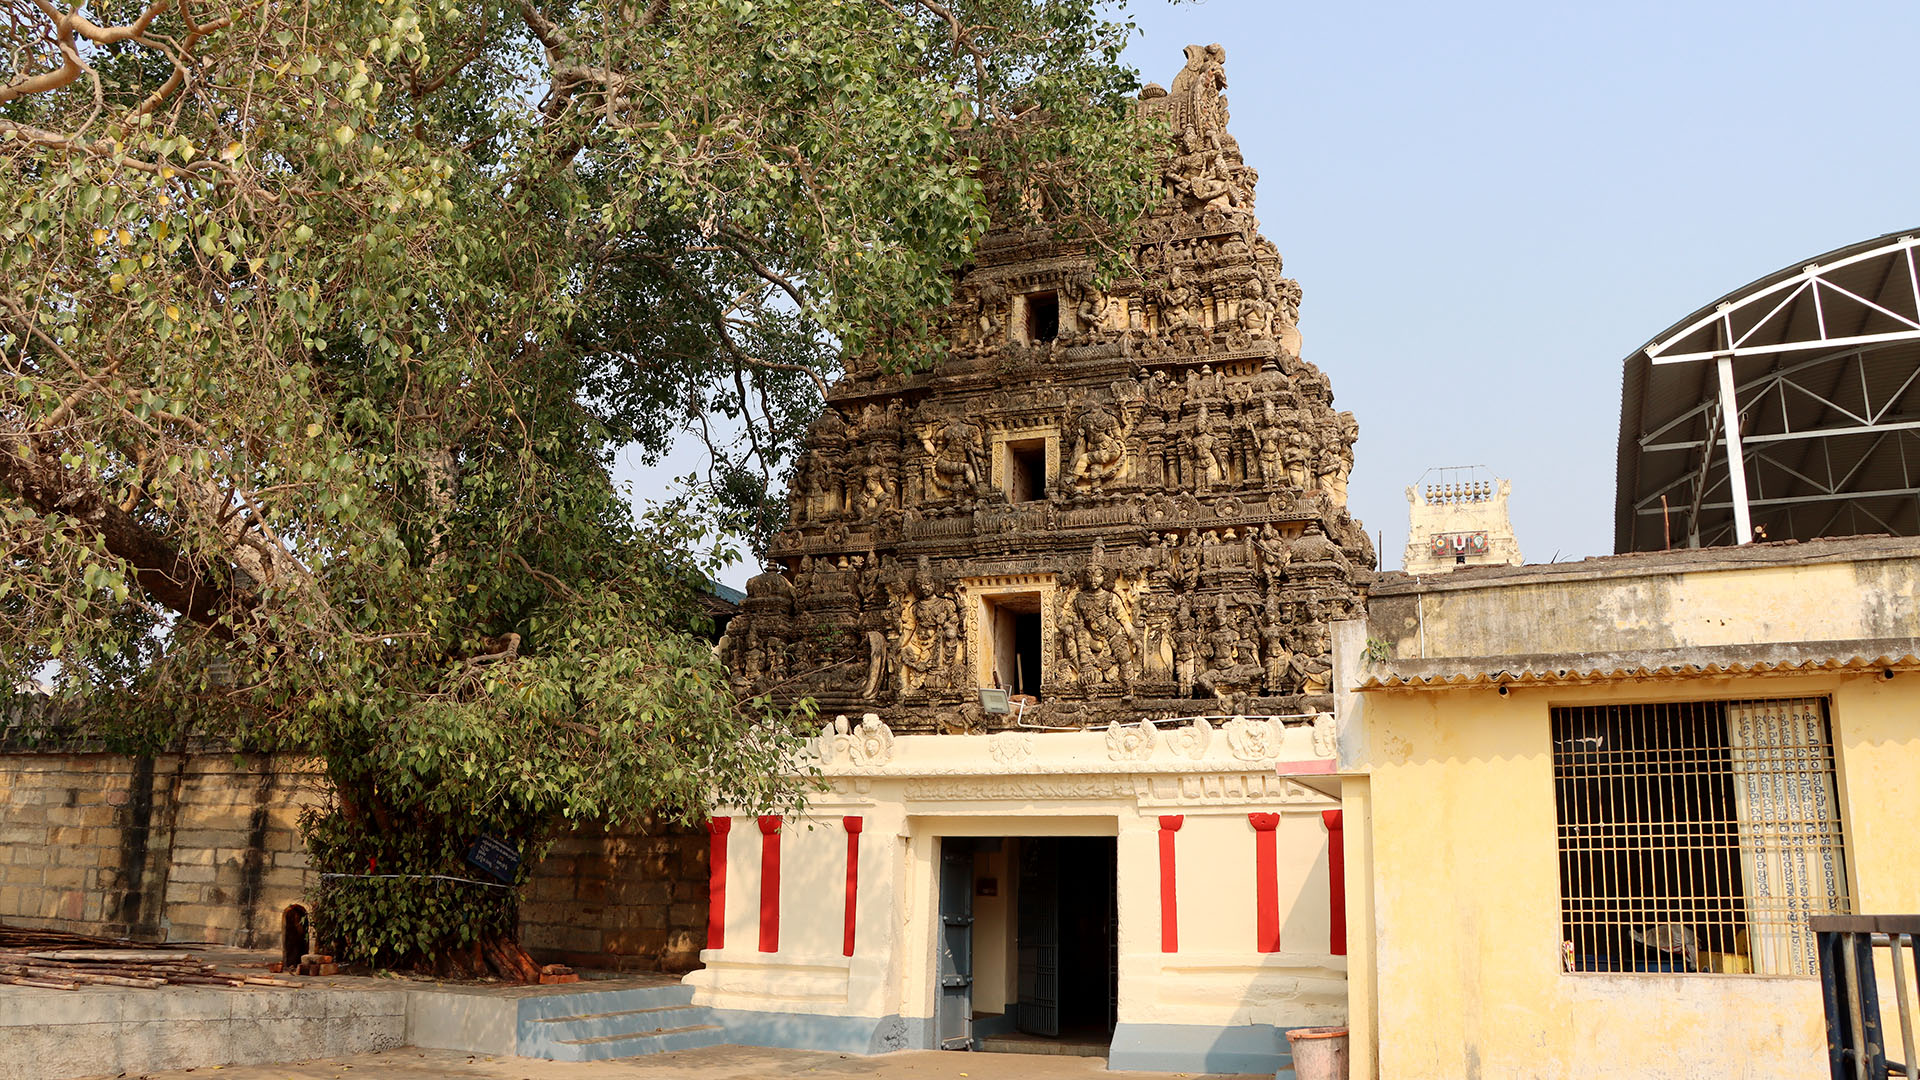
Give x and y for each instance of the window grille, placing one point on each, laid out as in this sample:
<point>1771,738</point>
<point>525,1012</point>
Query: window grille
<point>1696,836</point>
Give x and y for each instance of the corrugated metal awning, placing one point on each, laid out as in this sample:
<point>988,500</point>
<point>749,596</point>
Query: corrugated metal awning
<point>1811,658</point>
<point>1819,362</point>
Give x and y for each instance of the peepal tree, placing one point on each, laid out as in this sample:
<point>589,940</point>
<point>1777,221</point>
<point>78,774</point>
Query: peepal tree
<point>320,324</point>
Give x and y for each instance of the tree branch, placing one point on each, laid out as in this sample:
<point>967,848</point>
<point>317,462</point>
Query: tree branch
<point>963,40</point>
<point>69,70</point>
<point>739,247</point>
<point>418,89</point>
<point>162,572</point>
<point>195,32</point>
<point>111,35</point>
<point>109,150</point>
<point>61,29</point>
<point>733,348</point>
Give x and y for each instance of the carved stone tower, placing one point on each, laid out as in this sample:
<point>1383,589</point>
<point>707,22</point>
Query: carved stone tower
<point>1112,502</point>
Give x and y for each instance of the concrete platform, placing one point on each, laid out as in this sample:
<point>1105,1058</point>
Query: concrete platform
<point>423,1029</point>
<point>56,1034</point>
<point>585,1021</point>
<point>715,1063</point>
<point>106,1031</point>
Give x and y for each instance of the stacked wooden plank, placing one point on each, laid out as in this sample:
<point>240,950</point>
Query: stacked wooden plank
<point>59,961</point>
<point>21,937</point>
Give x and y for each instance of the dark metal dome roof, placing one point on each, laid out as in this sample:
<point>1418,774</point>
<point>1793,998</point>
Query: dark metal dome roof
<point>1820,362</point>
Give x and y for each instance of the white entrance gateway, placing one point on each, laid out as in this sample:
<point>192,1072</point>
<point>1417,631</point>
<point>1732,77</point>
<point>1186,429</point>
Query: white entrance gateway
<point>1164,886</point>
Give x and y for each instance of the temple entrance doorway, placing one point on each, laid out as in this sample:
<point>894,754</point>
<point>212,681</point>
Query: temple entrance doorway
<point>1041,944</point>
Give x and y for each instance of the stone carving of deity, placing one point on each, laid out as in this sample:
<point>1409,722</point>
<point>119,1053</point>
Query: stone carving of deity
<point>1225,668</point>
<point>1177,304</point>
<point>1336,458</point>
<point>1256,311</point>
<point>1298,452</point>
<point>1187,563</point>
<point>818,486</point>
<point>1186,647</point>
<point>1099,633</point>
<point>1210,452</point>
<point>1215,186</point>
<point>932,637</point>
<point>1089,310</point>
<point>1273,551</point>
<point>1311,664</point>
<point>875,488</point>
<point>1276,660</point>
<point>959,457</point>
<point>1165,396</point>
<point>1100,447</point>
<point>1270,446</point>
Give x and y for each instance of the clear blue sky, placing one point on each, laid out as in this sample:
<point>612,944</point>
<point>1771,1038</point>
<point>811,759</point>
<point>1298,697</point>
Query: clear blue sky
<point>1490,205</point>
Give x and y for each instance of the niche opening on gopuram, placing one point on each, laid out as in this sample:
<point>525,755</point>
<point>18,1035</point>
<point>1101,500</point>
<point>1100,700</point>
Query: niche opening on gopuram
<point>1043,317</point>
<point>1013,622</point>
<point>1026,470</point>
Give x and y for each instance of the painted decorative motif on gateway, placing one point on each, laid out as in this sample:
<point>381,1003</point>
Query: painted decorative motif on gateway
<point>1249,743</point>
<point>1111,499</point>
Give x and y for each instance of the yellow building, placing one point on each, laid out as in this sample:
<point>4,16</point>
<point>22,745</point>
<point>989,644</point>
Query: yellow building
<point>1590,806</point>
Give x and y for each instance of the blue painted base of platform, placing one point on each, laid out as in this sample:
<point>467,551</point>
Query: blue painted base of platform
<point>1183,1048</point>
<point>1248,1048</point>
<point>990,1024</point>
<point>812,1031</point>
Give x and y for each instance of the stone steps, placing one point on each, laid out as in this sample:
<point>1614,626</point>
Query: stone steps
<point>615,1024</point>
<point>601,1047</point>
<point>607,1015</point>
<point>995,1044</point>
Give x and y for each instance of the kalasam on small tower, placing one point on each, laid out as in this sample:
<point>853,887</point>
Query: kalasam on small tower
<point>1112,501</point>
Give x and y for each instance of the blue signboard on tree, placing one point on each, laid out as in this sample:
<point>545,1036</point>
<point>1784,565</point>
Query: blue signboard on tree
<point>497,858</point>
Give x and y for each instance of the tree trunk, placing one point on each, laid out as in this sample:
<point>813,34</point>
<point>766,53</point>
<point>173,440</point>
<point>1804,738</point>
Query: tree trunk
<point>511,961</point>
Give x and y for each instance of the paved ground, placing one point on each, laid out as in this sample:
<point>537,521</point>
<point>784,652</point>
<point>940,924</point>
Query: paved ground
<point>715,1063</point>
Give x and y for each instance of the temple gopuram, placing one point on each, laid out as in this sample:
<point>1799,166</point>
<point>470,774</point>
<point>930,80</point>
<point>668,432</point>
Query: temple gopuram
<point>1071,602</point>
<point>1108,501</point>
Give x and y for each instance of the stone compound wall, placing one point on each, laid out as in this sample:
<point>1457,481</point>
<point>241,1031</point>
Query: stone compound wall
<point>206,848</point>
<point>633,899</point>
<point>167,848</point>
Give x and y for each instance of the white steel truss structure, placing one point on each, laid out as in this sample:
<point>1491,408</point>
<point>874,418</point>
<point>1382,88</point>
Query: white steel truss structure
<point>1789,409</point>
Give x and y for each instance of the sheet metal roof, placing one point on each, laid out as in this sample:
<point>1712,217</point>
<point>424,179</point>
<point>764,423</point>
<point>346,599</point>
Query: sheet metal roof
<point>1825,355</point>
<point>1486,672</point>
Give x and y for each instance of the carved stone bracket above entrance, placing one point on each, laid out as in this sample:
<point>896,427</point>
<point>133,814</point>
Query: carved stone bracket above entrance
<point>1226,789</point>
<point>1026,788</point>
<point>1188,744</point>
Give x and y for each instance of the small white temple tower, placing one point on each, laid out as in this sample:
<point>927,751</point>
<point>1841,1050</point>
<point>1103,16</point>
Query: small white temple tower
<point>1458,517</point>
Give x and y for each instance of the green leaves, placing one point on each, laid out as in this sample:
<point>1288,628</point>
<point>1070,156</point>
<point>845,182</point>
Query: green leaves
<point>315,364</point>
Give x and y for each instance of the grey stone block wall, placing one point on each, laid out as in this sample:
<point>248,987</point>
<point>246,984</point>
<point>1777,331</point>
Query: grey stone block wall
<point>206,848</point>
<point>174,847</point>
<point>632,899</point>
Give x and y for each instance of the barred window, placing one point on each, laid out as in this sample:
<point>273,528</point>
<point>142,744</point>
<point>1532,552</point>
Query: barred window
<point>1697,836</point>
